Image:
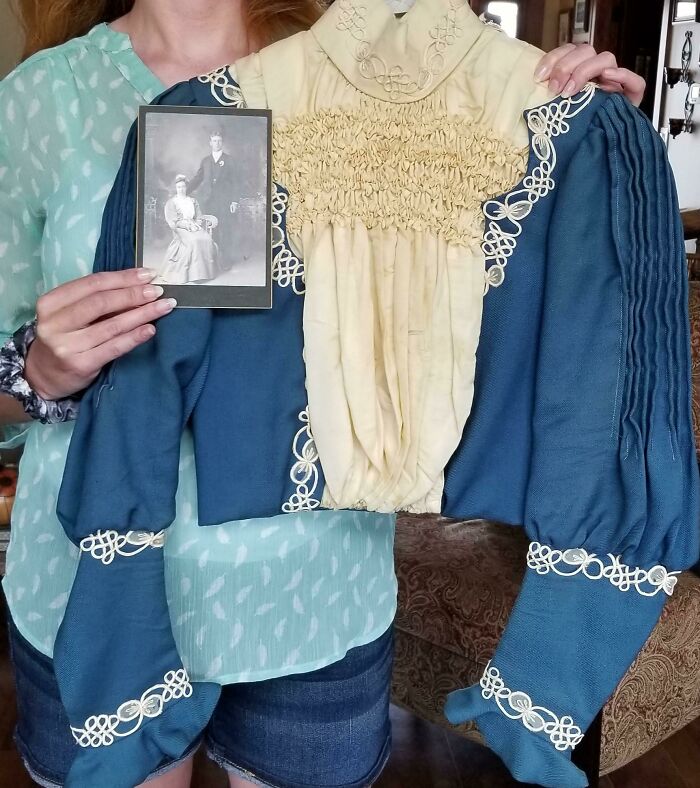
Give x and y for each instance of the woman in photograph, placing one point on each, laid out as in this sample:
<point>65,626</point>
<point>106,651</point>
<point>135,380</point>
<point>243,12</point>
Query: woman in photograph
<point>244,598</point>
<point>191,255</point>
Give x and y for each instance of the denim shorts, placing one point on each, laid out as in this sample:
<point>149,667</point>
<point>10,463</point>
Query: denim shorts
<point>329,727</point>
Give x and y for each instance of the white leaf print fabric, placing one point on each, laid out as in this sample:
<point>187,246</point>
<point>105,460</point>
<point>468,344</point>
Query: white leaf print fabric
<point>247,600</point>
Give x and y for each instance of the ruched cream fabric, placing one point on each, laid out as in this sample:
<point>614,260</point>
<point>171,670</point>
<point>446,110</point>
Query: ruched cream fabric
<point>389,135</point>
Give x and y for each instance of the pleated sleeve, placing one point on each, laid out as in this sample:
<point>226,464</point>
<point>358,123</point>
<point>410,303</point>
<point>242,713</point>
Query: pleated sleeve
<point>115,654</point>
<point>612,497</point>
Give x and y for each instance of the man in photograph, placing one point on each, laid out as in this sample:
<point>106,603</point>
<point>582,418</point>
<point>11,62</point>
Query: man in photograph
<point>214,185</point>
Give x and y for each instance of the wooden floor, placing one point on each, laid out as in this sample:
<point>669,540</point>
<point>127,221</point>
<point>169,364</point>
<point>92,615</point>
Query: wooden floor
<point>423,755</point>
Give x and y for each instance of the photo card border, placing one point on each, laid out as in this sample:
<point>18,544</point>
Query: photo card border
<point>202,295</point>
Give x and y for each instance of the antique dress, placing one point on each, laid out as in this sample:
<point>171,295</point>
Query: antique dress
<point>191,255</point>
<point>493,317</point>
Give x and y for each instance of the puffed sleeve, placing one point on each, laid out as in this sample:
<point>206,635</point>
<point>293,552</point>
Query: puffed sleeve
<point>21,230</point>
<point>612,499</point>
<point>172,214</point>
<point>116,501</point>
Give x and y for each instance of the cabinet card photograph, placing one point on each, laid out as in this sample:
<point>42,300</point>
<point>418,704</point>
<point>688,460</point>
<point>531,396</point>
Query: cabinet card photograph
<point>204,223</point>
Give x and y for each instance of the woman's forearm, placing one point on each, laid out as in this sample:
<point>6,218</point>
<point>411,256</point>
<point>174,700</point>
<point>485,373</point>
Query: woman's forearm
<point>11,411</point>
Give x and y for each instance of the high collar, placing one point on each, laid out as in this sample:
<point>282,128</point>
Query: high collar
<point>398,60</point>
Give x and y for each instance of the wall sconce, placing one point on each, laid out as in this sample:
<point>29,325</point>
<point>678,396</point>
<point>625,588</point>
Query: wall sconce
<point>676,126</point>
<point>685,125</point>
<point>673,77</point>
<point>687,56</point>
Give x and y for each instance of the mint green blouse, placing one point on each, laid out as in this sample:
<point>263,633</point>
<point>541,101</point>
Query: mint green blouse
<point>248,600</point>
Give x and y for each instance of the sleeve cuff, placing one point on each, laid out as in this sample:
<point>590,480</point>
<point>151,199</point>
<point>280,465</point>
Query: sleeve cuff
<point>576,627</point>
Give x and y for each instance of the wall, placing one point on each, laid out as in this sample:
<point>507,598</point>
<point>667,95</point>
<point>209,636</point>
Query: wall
<point>684,151</point>
<point>10,38</point>
<point>550,25</point>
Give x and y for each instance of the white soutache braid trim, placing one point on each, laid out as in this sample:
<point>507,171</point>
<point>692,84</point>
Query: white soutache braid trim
<point>567,563</point>
<point>223,88</point>
<point>101,730</point>
<point>504,216</point>
<point>392,78</point>
<point>287,269</point>
<point>106,545</point>
<point>304,472</point>
<point>562,732</point>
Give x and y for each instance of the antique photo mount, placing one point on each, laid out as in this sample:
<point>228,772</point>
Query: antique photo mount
<point>202,294</point>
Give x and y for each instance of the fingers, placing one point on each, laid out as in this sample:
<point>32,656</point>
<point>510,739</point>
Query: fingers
<point>574,68</point>
<point>120,345</point>
<point>568,68</point>
<point>71,292</point>
<point>588,70</point>
<point>562,62</point>
<point>99,304</point>
<point>104,331</point>
<point>88,323</point>
<point>632,85</point>
<point>543,71</point>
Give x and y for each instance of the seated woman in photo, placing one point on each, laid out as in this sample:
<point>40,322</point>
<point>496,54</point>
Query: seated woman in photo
<point>191,255</point>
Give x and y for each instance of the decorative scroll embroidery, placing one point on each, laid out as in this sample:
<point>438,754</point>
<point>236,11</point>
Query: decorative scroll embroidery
<point>106,545</point>
<point>563,733</point>
<point>505,216</point>
<point>101,730</point>
<point>567,563</point>
<point>393,165</point>
<point>223,88</point>
<point>395,81</point>
<point>353,19</point>
<point>287,268</point>
<point>304,472</point>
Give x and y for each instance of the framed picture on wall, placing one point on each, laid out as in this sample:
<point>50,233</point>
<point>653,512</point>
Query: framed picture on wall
<point>564,27</point>
<point>582,13</point>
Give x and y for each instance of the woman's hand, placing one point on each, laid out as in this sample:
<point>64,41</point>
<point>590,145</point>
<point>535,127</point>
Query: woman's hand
<point>569,67</point>
<point>84,324</point>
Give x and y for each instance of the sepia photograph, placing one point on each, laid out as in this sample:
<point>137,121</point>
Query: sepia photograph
<point>204,204</point>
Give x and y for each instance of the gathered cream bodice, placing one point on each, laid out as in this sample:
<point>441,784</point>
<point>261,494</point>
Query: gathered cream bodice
<point>389,135</point>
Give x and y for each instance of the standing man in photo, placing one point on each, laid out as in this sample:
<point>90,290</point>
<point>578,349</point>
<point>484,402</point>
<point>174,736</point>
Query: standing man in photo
<point>214,185</point>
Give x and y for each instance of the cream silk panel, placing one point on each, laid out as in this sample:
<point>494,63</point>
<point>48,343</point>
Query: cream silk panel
<point>389,134</point>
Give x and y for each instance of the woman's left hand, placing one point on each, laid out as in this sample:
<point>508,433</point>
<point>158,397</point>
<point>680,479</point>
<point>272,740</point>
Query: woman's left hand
<point>569,67</point>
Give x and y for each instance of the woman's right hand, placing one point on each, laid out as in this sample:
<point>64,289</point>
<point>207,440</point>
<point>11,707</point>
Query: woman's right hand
<point>84,324</point>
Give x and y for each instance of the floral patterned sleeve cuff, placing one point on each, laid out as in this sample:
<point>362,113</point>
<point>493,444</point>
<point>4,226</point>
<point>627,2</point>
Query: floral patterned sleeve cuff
<point>13,355</point>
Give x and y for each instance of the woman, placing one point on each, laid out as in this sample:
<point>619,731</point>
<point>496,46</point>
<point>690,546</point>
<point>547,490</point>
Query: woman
<point>191,255</point>
<point>250,608</point>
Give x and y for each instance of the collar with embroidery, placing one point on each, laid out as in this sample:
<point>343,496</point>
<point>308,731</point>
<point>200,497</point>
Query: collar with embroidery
<point>398,60</point>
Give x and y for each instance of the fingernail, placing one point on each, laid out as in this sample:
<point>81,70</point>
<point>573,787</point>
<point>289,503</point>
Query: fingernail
<point>167,304</point>
<point>542,73</point>
<point>569,90</point>
<point>152,291</point>
<point>146,274</point>
<point>554,85</point>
